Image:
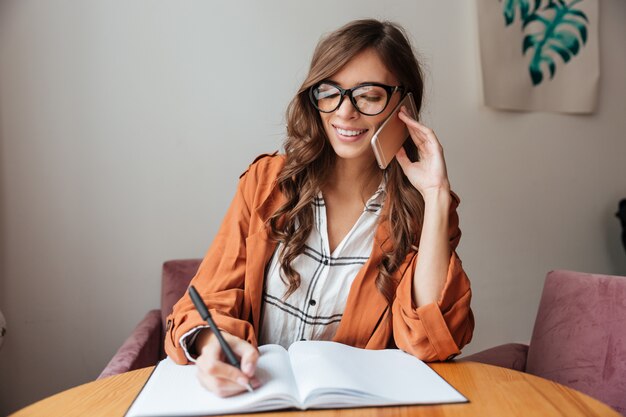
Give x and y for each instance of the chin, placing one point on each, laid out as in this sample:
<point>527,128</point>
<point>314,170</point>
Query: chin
<point>351,152</point>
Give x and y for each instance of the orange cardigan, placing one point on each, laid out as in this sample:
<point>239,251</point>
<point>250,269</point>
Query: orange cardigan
<point>230,280</point>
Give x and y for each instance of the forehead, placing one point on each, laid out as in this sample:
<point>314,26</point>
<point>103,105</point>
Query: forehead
<point>366,66</point>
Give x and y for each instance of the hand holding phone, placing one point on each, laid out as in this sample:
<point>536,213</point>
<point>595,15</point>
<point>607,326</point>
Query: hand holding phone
<point>390,136</point>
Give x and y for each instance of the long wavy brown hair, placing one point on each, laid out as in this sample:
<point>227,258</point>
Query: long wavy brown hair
<point>309,156</point>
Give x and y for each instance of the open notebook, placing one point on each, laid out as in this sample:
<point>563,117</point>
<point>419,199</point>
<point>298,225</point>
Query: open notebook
<point>308,375</point>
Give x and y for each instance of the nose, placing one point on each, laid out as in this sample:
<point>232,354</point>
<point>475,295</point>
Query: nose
<point>346,110</point>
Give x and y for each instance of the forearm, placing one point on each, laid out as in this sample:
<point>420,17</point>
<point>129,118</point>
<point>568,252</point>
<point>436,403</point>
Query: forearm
<point>434,249</point>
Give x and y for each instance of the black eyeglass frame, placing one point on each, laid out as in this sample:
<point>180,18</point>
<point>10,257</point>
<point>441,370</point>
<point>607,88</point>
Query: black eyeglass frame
<point>348,92</point>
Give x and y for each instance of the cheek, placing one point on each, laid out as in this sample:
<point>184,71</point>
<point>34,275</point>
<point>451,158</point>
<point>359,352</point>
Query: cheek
<point>379,119</point>
<point>326,123</point>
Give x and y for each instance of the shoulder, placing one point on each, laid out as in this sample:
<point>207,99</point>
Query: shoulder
<point>259,181</point>
<point>266,166</point>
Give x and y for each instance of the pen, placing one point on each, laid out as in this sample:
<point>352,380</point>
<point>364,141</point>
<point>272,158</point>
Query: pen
<point>206,316</point>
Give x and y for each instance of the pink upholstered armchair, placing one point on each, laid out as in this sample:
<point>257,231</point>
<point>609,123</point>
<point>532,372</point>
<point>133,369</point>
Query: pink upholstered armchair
<point>144,347</point>
<point>579,338</point>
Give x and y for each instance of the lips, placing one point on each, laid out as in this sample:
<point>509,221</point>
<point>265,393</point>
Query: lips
<point>348,134</point>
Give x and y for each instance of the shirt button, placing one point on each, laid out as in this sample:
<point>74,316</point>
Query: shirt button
<point>325,261</point>
<point>312,302</point>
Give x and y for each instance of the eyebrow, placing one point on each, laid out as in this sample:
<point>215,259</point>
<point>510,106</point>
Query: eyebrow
<point>357,84</point>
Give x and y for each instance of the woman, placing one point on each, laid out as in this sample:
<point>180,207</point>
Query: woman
<point>320,243</point>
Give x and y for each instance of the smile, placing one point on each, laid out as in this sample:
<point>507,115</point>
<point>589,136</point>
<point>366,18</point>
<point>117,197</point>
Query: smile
<point>349,134</point>
<point>345,132</point>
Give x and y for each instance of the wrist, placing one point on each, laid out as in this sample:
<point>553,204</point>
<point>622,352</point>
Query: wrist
<point>202,339</point>
<point>437,195</point>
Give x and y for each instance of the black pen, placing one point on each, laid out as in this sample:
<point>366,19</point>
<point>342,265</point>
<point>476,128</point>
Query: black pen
<point>206,316</point>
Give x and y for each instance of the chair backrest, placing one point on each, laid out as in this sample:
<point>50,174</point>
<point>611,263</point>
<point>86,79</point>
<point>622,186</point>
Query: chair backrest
<point>579,338</point>
<point>176,276</point>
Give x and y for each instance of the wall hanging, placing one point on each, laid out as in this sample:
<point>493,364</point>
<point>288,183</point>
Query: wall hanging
<point>539,55</point>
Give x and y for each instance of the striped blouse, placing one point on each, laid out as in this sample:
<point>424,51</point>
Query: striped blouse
<point>314,310</point>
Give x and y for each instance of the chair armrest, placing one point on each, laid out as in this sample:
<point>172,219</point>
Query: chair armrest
<point>141,348</point>
<point>510,355</point>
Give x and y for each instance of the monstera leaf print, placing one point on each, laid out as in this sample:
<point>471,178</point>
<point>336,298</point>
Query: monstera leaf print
<point>511,5</point>
<point>563,28</point>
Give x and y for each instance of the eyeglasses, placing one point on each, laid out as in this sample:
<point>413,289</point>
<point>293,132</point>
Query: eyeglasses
<point>369,99</point>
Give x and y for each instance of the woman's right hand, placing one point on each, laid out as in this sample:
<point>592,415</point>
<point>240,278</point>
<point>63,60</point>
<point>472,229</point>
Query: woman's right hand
<point>218,376</point>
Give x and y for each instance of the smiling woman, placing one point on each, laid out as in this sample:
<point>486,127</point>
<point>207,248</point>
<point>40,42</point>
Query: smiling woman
<point>321,244</point>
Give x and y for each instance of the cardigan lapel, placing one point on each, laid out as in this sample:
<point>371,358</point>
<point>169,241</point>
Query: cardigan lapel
<point>366,305</point>
<point>259,250</point>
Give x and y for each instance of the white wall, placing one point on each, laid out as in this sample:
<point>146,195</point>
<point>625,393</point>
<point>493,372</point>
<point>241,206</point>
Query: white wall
<point>124,127</point>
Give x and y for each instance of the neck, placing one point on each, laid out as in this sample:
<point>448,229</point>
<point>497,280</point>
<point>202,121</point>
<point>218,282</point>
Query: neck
<point>357,178</point>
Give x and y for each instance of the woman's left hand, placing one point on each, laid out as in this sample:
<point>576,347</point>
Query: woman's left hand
<point>429,173</point>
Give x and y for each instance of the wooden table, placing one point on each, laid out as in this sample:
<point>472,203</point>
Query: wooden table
<point>492,391</point>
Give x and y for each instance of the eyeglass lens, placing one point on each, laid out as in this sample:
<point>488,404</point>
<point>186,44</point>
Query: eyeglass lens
<point>368,99</point>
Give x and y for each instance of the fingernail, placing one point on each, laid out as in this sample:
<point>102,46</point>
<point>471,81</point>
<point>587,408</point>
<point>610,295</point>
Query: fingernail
<point>247,368</point>
<point>243,382</point>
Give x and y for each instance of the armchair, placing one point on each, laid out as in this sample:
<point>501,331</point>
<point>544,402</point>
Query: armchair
<point>144,347</point>
<point>579,337</point>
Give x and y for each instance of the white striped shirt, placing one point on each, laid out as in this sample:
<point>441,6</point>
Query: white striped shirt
<point>314,310</point>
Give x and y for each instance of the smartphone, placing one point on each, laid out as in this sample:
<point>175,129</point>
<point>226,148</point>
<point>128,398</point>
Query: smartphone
<point>390,136</point>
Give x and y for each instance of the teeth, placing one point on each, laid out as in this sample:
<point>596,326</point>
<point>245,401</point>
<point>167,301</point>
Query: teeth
<point>349,132</point>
